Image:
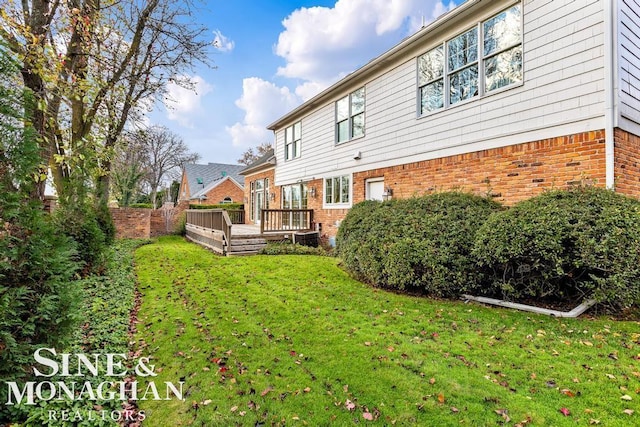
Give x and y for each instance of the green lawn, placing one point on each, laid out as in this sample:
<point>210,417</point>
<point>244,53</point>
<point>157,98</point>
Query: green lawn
<point>293,340</point>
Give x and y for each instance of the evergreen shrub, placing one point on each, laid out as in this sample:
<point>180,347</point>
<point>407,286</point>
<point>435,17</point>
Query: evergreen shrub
<point>418,244</point>
<point>565,245</point>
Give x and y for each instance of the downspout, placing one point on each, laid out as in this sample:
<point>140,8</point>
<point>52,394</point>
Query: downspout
<point>609,90</point>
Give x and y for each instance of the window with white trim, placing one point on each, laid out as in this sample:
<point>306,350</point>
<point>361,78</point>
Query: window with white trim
<point>350,116</point>
<point>337,190</point>
<point>293,141</point>
<point>480,60</point>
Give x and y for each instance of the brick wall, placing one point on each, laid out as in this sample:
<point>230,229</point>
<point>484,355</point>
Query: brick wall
<point>627,163</point>
<point>136,223</point>
<point>508,174</point>
<point>131,223</point>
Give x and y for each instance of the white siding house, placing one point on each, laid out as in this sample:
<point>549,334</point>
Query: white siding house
<point>484,77</point>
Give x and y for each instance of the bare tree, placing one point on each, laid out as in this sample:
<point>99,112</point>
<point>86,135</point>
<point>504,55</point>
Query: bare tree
<point>90,63</point>
<point>253,154</point>
<point>165,154</point>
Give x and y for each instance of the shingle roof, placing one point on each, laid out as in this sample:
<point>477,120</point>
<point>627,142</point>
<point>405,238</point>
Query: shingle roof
<point>266,158</point>
<point>204,176</point>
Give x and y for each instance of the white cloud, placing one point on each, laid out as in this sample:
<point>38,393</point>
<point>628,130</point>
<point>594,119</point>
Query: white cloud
<point>262,102</point>
<point>321,44</point>
<point>222,43</point>
<point>184,102</point>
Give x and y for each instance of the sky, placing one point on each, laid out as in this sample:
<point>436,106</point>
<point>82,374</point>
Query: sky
<point>270,56</point>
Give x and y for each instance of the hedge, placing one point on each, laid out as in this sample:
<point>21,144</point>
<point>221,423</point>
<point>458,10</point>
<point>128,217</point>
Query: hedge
<point>565,245</point>
<point>226,206</point>
<point>419,244</point>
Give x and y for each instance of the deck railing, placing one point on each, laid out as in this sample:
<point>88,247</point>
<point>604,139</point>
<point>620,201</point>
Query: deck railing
<point>286,220</point>
<point>215,219</point>
<point>236,216</point>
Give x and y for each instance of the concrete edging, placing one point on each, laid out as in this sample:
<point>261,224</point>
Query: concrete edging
<point>571,314</point>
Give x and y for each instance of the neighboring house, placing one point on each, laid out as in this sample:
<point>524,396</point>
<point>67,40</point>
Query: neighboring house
<point>505,98</point>
<point>211,184</point>
<point>259,192</point>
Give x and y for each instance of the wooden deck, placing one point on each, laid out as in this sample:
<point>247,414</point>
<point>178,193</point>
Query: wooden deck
<point>214,230</point>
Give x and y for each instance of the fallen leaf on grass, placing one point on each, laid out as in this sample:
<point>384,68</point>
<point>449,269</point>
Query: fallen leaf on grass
<point>349,405</point>
<point>628,411</point>
<point>626,397</point>
<point>266,391</point>
<point>307,389</point>
<point>567,392</point>
<point>367,343</point>
<point>234,408</point>
<point>593,421</point>
<point>367,416</point>
<point>455,410</point>
<point>565,412</point>
<point>432,380</point>
<point>503,413</point>
<point>207,402</point>
<point>524,422</point>
<point>440,397</point>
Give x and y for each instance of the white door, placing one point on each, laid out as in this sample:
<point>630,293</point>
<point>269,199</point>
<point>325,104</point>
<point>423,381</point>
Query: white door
<point>375,188</point>
<point>259,204</point>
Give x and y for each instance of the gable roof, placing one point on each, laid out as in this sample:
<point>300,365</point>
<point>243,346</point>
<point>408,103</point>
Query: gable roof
<point>266,160</point>
<point>212,185</point>
<point>210,175</point>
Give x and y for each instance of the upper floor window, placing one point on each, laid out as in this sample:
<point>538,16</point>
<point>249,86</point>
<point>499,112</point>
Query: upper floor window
<point>337,190</point>
<point>477,62</point>
<point>292,141</point>
<point>350,116</point>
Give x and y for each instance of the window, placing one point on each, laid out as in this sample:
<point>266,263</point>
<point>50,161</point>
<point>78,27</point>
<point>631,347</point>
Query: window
<point>350,116</point>
<point>463,66</point>
<point>227,199</point>
<point>294,196</point>
<point>502,49</point>
<point>431,80</point>
<point>292,141</point>
<point>337,190</point>
<point>478,61</point>
<point>259,198</point>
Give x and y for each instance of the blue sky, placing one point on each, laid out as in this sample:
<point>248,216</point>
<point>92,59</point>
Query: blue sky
<point>272,55</point>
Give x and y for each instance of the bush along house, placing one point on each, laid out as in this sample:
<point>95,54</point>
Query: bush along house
<point>504,98</point>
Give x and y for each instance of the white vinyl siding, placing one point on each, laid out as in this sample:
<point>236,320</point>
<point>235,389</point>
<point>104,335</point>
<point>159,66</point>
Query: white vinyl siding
<point>629,59</point>
<point>350,116</point>
<point>562,93</point>
<point>293,143</point>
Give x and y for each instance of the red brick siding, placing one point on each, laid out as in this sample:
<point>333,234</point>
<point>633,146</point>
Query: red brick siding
<point>509,174</point>
<point>273,204</point>
<point>627,163</point>
<point>226,188</point>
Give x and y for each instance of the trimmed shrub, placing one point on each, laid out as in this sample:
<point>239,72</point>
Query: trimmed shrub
<point>227,206</point>
<point>419,244</point>
<point>565,245</point>
<point>141,205</point>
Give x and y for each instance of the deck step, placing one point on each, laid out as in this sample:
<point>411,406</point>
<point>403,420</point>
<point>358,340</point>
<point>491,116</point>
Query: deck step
<point>237,248</point>
<point>242,253</point>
